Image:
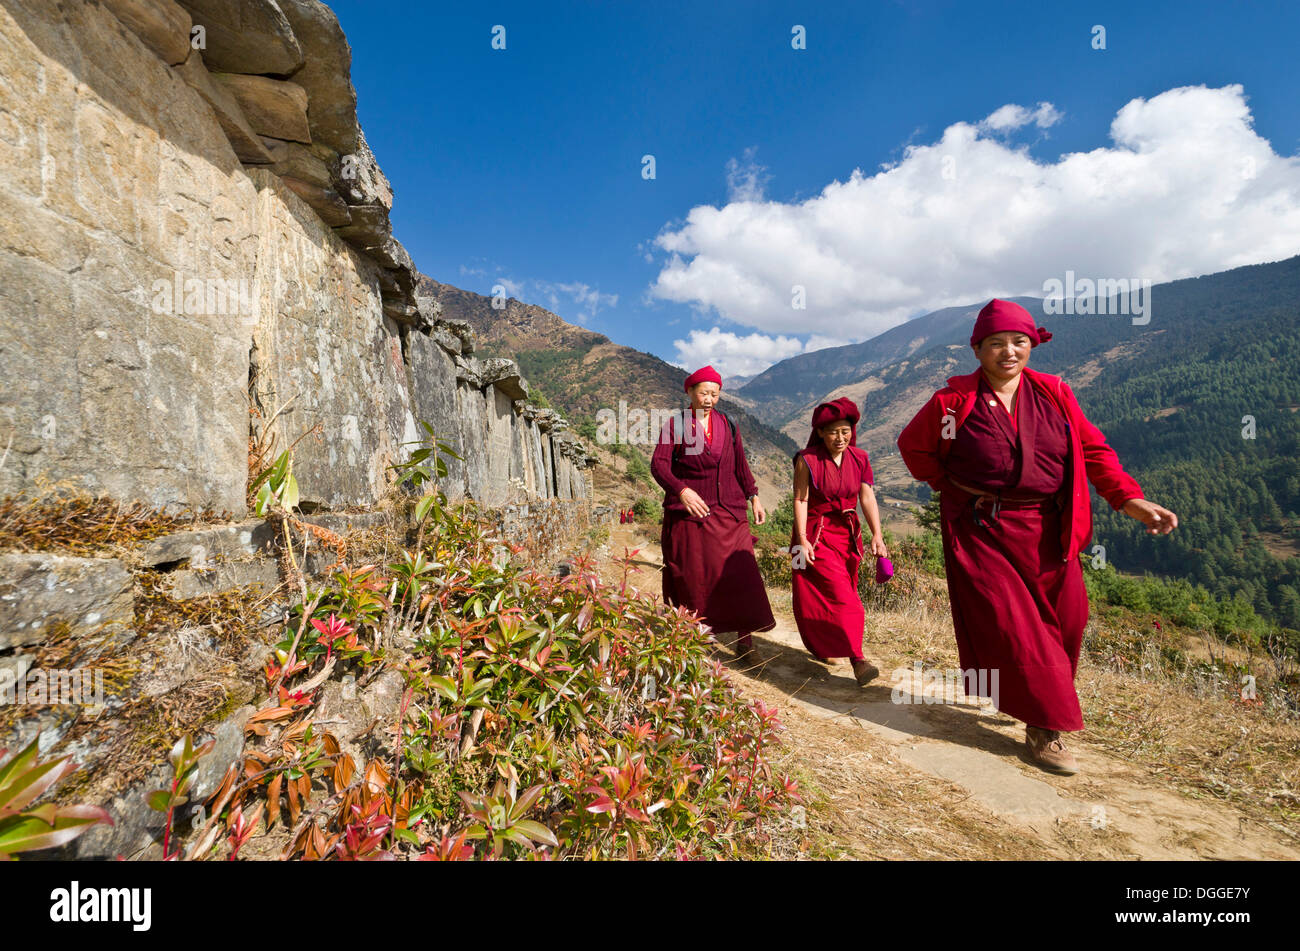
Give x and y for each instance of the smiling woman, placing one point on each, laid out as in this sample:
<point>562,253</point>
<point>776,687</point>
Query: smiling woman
<point>1012,462</point>
<point>832,477</point>
<point>709,563</point>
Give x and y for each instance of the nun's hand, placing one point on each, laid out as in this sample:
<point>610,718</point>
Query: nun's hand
<point>694,504</point>
<point>760,513</point>
<point>1157,519</point>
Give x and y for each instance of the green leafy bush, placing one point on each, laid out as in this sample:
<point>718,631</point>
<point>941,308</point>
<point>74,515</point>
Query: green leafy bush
<point>780,521</point>
<point>773,561</point>
<point>545,717</point>
<point>649,510</point>
<point>638,470</point>
<point>608,711</point>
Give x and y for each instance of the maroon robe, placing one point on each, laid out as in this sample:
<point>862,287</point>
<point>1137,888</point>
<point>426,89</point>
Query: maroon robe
<point>827,607</point>
<point>709,564</point>
<point>1018,606</point>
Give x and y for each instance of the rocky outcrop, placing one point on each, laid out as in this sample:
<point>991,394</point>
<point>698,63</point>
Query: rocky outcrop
<point>195,244</point>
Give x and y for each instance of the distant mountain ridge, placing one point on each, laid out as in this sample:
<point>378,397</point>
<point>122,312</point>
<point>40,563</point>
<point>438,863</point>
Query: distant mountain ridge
<point>585,371</point>
<point>786,389</point>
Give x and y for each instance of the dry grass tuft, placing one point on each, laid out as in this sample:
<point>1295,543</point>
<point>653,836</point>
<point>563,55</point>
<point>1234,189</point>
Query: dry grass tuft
<point>58,517</point>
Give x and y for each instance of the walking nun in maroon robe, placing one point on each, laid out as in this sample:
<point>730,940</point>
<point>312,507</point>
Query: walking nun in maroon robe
<point>831,476</point>
<point>1012,454</point>
<point>709,564</point>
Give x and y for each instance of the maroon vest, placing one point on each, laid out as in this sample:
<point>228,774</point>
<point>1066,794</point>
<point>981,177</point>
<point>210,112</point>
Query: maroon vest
<point>712,472</point>
<point>834,489</point>
<point>1027,457</point>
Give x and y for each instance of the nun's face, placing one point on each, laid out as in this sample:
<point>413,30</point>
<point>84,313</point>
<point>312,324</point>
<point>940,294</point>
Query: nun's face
<point>1003,355</point>
<point>705,395</point>
<point>836,436</point>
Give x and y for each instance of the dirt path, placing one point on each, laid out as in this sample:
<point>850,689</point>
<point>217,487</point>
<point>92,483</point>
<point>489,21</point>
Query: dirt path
<point>882,752</point>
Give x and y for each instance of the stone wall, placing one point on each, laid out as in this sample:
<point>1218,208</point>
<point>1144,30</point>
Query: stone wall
<point>195,244</point>
<point>195,257</point>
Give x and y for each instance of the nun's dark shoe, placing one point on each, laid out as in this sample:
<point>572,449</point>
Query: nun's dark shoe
<point>864,672</point>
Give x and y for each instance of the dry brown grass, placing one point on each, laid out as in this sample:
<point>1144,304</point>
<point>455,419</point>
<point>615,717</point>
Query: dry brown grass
<point>1208,748</point>
<point>59,517</point>
<point>1162,718</point>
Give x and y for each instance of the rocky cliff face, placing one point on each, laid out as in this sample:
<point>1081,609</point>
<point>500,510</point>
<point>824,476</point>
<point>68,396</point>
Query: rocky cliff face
<point>195,244</point>
<point>196,260</point>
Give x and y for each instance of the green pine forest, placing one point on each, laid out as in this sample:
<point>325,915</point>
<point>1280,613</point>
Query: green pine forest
<point>1207,421</point>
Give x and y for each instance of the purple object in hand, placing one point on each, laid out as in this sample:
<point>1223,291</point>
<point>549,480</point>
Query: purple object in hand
<point>884,569</point>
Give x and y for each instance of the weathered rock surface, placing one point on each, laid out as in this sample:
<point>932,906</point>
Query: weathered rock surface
<point>194,582</point>
<point>204,546</point>
<point>358,177</point>
<point>370,226</point>
<point>274,107</point>
<point>326,202</point>
<point>136,829</point>
<point>358,715</point>
<point>326,74</point>
<point>229,735</point>
<point>307,163</point>
<point>39,590</point>
<point>156,271</point>
<point>246,143</point>
<point>162,25</point>
<point>246,36</point>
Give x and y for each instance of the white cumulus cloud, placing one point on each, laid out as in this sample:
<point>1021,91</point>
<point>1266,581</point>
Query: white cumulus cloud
<point>734,355</point>
<point>1012,116</point>
<point>1186,186</point>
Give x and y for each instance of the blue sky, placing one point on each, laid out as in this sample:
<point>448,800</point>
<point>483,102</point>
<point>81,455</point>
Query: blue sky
<point>522,166</point>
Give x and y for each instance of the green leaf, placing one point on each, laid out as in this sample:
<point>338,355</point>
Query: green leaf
<point>182,751</point>
<point>20,762</point>
<point>527,800</point>
<point>264,497</point>
<point>290,498</point>
<point>422,509</point>
<point>444,686</point>
<point>21,788</point>
<point>25,833</point>
<point>537,832</point>
<point>160,800</point>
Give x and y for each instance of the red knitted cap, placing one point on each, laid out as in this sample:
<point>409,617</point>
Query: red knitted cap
<point>703,375</point>
<point>842,408</point>
<point>1003,315</point>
